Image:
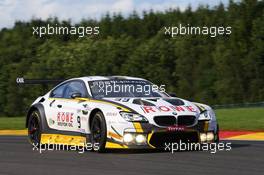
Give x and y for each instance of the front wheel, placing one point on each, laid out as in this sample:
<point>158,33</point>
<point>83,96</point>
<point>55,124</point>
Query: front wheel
<point>34,128</point>
<point>98,132</point>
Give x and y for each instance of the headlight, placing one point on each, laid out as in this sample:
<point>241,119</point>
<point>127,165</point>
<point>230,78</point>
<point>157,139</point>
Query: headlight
<point>203,137</point>
<point>210,136</point>
<point>205,116</point>
<point>207,137</point>
<point>141,139</point>
<point>135,138</point>
<point>131,117</point>
<point>128,138</point>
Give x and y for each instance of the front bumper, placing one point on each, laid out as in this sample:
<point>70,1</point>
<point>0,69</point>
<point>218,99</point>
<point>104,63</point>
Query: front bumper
<point>156,137</point>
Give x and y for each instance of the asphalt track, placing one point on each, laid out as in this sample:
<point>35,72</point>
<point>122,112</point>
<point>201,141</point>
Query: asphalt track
<point>17,157</point>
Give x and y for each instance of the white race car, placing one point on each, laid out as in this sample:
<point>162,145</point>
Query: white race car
<point>117,112</point>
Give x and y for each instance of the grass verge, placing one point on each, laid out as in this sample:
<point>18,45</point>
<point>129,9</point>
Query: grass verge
<point>250,119</point>
<point>12,123</point>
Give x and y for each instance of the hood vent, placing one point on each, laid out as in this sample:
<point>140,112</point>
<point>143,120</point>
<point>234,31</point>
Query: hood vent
<point>152,99</point>
<point>175,102</point>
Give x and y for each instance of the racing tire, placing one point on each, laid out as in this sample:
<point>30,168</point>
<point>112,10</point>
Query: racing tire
<point>34,128</point>
<point>98,132</point>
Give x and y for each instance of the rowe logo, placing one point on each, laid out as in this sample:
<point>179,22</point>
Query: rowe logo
<point>153,109</point>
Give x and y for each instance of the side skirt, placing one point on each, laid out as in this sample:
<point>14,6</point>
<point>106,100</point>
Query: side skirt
<point>62,139</point>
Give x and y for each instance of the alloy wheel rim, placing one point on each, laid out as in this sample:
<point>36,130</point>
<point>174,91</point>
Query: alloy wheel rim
<point>34,129</point>
<point>96,130</point>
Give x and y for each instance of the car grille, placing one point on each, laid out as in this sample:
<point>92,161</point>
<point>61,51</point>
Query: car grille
<point>165,120</point>
<point>186,120</point>
<point>160,138</point>
<point>170,120</point>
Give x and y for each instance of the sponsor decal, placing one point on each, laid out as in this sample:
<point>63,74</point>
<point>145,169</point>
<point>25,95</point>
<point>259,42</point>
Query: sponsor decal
<point>176,128</point>
<point>65,119</point>
<point>111,114</point>
<point>85,112</point>
<point>51,122</point>
<point>87,107</point>
<point>153,109</point>
<point>79,122</point>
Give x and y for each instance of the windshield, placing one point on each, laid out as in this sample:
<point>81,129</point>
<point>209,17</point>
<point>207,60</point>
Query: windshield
<point>124,88</point>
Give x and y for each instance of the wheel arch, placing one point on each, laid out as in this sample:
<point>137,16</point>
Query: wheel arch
<point>40,109</point>
<point>92,114</point>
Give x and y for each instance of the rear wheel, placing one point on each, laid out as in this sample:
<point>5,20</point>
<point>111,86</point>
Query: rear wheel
<point>98,132</point>
<point>34,128</point>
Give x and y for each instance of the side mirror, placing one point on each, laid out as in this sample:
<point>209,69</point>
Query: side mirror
<point>172,94</point>
<point>76,95</point>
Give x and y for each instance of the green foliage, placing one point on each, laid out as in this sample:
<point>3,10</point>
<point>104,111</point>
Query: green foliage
<point>241,119</point>
<point>224,69</point>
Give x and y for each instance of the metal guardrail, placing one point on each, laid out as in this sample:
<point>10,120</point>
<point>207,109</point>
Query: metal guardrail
<point>239,105</point>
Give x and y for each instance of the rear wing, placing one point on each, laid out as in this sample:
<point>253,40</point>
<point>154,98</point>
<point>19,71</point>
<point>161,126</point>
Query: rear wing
<point>21,81</point>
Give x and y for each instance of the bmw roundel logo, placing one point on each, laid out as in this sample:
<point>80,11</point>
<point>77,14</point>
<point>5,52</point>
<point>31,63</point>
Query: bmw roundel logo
<point>174,113</point>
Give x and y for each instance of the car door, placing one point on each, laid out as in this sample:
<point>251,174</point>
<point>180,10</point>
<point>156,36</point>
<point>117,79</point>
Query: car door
<point>54,106</point>
<point>70,117</point>
<point>68,111</point>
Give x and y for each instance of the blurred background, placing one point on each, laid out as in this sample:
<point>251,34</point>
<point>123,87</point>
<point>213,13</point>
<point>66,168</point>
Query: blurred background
<point>216,71</point>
